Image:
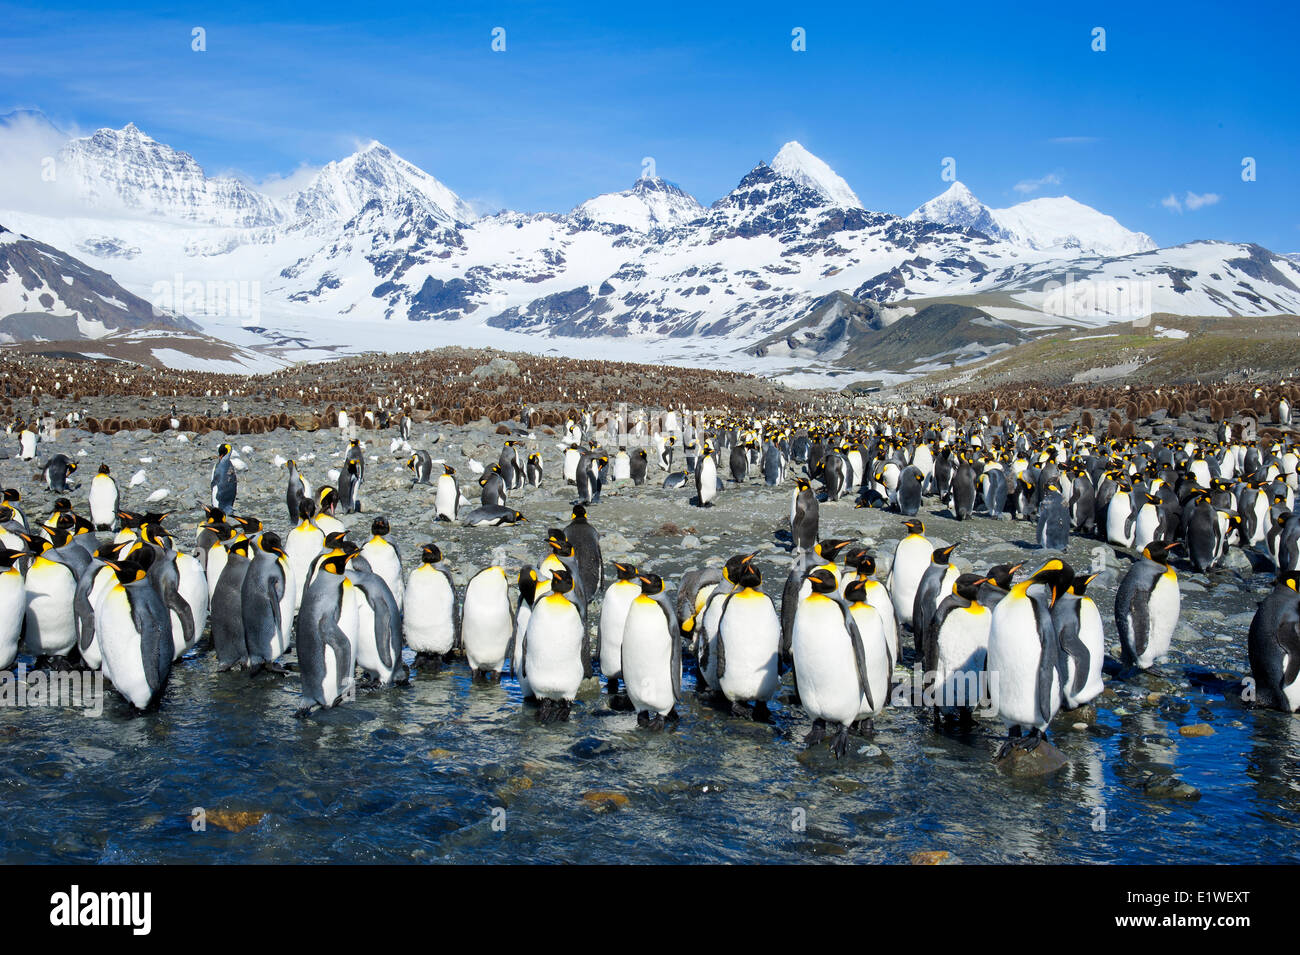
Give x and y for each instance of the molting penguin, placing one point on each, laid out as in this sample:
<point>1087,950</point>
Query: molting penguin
<point>652,654</point>
<point>556,654</point>
<point>429,617</point>
<point>1147,604</point>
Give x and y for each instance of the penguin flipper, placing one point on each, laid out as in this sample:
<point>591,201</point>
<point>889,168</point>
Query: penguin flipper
<point>1048,664</point>
<point>675,663</point>
<point>859,653</point>
<point>1288,638</point>
<point>1076,650</point>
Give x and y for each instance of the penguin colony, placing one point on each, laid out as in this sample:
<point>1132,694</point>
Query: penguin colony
<point>134,603</point>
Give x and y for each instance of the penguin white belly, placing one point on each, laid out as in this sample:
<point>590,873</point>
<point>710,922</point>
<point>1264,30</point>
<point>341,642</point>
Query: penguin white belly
<point>751,632</point>
<point>1290,692</point>
<point>284,637</point>
<point>428,622</point>
<point>1013,660</point>
<point>708,480</point>
<point>302,547</point>
<point>707,639</point>
<point>193,588</point>
<point>1117,515</point>
<point>105,580</point>
<point>1145,527</point>
<point>350,624</point>
<point>553,649</point>
<point>963,645</point>
<point>387,566</point>
<point>879,656</point>
<point>622,467</point>
<point>119,642</point>
<point>486,628</point>
<point>571,459</point>
<point>1092,636</point>
<point>103,501</point>
<point>824,665</point>
<point>367,641</point>
<point>446,498</point>
<point>613,619</point>
<point>13,605</point>
<point>1162,617</point>
<point>27,444</point>
<point>910,561</point>
<point>329,524</point>
<point>647,658</point>
<point>217,558</point>
<point>522,616</point>
<point>51,622</point>
<point>878,597</point>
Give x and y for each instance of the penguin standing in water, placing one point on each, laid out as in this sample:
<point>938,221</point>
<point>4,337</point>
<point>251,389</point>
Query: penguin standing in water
<point>429,617</point>
<point>613,616</point>
<point>56,471</point>
<point>1274,646</point>
<point>421,466</point>
<point>805,516</point>
<point>50,627</point>
<point>225,482</point>
<point>586,547</point>
<point>863,565</point>
<point>532,588</point>
<point>652,655</point>
<point>706,478</point>
<point>384,559</point>
<point>878,653</point>
<point>303,545</point>
<point>487,625</point>
<point>1053,520</point>
<point>1024,661</point>
<point>556,655</point>
<point>830,664</point>
<point>911,558</point>
<point>638,465</point>
<point>379,626</point>
<point>957,647</point>
<point>227,615</point>
<point>266,597</point>
<point>134,633</point>
<point>325,635</point>
<point>447,496</point>
<point>296,492</point>
<point>13,605</point>
<point>748,646</point>
<point>534,470</point>
<point>103,500</point>
<point>1147,604</point>
<point>1083,641</point>
<point>935,586</point>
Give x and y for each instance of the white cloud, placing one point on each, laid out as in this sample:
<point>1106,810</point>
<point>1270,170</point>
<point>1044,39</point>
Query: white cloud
<point>1191,201</point>
<point>277,186</point>
<point>1026,186</point>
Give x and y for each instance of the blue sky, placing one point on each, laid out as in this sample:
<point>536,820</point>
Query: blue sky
<point>883,93</point>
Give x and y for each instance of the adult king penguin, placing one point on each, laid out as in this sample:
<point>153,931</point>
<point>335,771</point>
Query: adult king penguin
<point>652,655</point>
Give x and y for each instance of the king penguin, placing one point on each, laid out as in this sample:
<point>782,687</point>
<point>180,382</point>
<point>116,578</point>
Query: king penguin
<point>225,483</point>
<point>652,655</point>
<point>1147,604</point>
<point>911,558</point>
<point>556,655</point>
<point>135,637</point>
<point>487,624</point>
<point>1274,646</point>
<point>613,616</point>
<point>325,636</point>
<point>429,616</point>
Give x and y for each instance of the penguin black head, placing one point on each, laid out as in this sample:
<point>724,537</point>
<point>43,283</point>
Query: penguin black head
<point>856,591</point>
<point>103,469</point>
<point>336,540</point>
<point>967,586</point>
<point>336,563</point>
<point>1289,579</point>
<point>562,548</point>
<point>270,542</point>
<point>154,534</point>
<point>214,514</point>
<point>329,499</point>
<point>1159,550</point>
<point>430,553</point>
<point>239,547</point>
<point>862,560</point>
<point>732,568</point>
<point>822,580</point>
<point>306,510</point>
<point>61,505</point>
<point>651,584</point>
<point>914,527</point>
<point>12,495</point>
<point>7,557</point>
<point>625,571</point>
<point>828,549</point>
<point>1079,586</point>
<point>579,514</point>
<point>127,571</point>
<point>141,554</point>
<point>942,555</point>
<point>36,545</point>
<point>251,525</point>
<point>749,575</point>
<point>448,469</point>
<point>379,527</point>
<point>555,535</point>
<point>1000,575</point>
<point>561,581</point>
<point>410,462</point>
<point>221,452</point>
<point>802,483</point>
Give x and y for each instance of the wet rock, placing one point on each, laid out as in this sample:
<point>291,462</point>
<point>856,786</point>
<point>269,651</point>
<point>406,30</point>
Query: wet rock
<point>513,787</point>
<point>232,821</point>
<point>592,748</point>
<point>1168,787</point>
<point>929,857</point>
<point>604,800</point>
<point>1043,760</point>
<point>1196,729</point>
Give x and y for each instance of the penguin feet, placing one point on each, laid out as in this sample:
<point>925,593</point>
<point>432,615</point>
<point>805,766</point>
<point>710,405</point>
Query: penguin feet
<point>620,703</point>
<point>302,712</point>
<point>761,713</point>
<point>429,661</point>
<point>840,743</point>
<point>742,710</point>
<point>553,711</point>
<point>816,734</point>
<point>865,728</point>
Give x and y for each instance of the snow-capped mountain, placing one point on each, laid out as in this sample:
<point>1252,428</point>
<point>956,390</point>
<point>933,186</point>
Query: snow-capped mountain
<point>1059,225</point>
<point>342,189</point>
<point>47,294</point>
<point>795,162</point>
<point>126,170</point>
<point>377,253</point>
<point>651,203</point>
